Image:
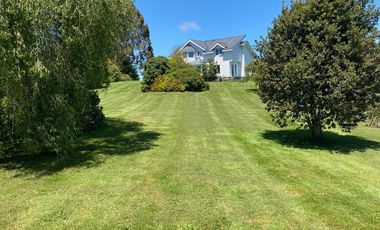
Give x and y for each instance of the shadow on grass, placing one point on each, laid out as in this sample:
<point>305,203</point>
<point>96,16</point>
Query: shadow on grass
<point>114,137</point>
<point>344,144</point>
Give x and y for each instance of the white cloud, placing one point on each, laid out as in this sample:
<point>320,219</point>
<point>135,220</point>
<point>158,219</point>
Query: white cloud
<point>186,26</point>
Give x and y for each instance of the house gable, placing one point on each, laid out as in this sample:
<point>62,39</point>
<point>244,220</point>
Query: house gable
<point>190,42</point>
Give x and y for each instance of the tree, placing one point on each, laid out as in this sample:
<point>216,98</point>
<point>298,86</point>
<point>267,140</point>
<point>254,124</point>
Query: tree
<point>317,65</point>
<point>136,46</point>
<point>209,70</point>
<point>128,68</point>
<point>53,57</point>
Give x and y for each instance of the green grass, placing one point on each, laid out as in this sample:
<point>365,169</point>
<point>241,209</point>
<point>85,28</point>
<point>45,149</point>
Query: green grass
<point>196,160</point>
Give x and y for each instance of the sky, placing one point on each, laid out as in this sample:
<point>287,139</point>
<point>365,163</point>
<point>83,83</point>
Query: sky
<point>173,22</point>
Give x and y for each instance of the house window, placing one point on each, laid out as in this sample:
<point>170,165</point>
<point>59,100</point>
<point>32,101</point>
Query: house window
<point>184,55</point>
<point>218,51</point>
<point>199,54</point>
<point>190,54</point>
<point>217,69</point>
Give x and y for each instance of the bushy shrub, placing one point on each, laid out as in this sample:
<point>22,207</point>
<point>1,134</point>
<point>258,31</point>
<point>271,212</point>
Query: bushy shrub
<point>176,68</point>
<point>167,84</point>
<point>115,74</point>
<point>156,66</point>
<point>196,84</point>
<point>374,117</point>
<point>176,62</point>
<point>190,76</point>
<point>251,72</point>
<point>209,71</point>
<point>145,88</point>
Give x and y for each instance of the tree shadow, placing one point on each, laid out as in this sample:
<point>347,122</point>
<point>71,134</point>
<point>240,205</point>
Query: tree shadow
<point>114,137</point>
<point>333,142</point>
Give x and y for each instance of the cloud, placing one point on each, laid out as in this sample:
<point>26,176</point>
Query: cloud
<point>186,26</point>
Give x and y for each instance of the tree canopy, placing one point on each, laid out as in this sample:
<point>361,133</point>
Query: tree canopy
<point>318,65</point>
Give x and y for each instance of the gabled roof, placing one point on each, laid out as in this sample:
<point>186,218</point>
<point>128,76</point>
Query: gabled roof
<point>208,45</point>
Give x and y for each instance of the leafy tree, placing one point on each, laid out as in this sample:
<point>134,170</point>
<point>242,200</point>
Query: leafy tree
<point>317,66</point>
<point>209,71</point>
<point>53,55</point>
<point>156,66</point>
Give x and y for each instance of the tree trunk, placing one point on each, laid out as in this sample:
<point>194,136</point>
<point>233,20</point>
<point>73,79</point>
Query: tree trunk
<point>316,130</point>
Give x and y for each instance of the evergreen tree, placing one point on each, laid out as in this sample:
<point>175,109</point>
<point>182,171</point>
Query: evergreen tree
<point>318,65</point>
<point>127,67</point>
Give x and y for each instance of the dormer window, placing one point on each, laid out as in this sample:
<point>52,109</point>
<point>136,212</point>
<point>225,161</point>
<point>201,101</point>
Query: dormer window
<point>218,51</point>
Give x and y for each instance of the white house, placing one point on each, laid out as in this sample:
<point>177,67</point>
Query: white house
<point>230,55</point>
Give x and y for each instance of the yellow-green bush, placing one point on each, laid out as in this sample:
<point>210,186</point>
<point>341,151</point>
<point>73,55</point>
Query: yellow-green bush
<point>167,84</point>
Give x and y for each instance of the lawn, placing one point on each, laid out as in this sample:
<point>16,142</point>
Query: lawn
<point>196,160</point>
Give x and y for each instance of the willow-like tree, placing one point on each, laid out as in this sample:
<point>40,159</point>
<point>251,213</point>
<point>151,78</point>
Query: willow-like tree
<point>317,66</point>
<point>53,57</point>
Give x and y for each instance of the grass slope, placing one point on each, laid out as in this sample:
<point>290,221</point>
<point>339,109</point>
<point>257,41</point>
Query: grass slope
<point>196,160</point>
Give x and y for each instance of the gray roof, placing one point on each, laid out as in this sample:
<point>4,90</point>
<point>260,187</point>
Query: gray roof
<point>226,42</point>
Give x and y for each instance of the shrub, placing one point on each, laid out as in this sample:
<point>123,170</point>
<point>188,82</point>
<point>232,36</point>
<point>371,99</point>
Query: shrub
<point>167,84</point>
<point>145,88</point>
<point>251,72</point>
<point>176,62</point>
<point>190,76</point>
<point>115,74</point>
<point>156,66</point>
<point>196,84</point>
<point>209,71</point>
<point>374,117</point>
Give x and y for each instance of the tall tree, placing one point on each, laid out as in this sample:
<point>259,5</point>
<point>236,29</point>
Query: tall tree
<point>317,65</point>
<point>128,67</point>
<point>136,45</point>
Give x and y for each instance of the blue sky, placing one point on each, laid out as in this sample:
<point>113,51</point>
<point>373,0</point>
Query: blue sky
<point>173,22</point>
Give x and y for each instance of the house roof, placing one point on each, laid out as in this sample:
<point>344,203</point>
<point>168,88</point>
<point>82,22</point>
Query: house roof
<point>208,45</point>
